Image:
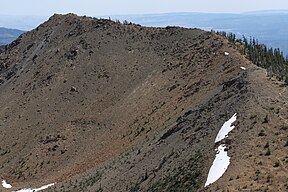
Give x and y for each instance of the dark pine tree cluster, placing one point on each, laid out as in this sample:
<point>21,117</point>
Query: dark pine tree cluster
<point>273,60</point>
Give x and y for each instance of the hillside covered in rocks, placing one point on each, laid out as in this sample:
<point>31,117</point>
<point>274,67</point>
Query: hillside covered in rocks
<point>96,105</point>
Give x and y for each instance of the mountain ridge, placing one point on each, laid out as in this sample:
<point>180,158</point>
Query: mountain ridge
<point>120,107</point>
<point>267,27</point>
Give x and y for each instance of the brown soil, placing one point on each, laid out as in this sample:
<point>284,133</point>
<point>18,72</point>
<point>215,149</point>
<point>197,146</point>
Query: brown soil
<point>97,105</point>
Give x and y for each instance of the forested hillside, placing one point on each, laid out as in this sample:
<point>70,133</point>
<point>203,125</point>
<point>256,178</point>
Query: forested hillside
<point>272,59</point>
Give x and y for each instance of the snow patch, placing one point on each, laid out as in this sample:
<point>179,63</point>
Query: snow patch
<point>38,189</point>
<point>6,185</point>
<point>243,68</point>
<point>219,166</point>
<point>226,128</point>
<point>222,160</point>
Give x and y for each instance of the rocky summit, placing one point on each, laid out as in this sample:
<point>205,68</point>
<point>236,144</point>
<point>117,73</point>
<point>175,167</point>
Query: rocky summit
<point>96,105</point>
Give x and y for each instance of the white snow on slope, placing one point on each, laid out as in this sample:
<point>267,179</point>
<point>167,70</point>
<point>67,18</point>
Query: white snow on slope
<point>219,166</point>
<point>38,189</point>
<point>222,160</point>
<point>226,128</point>
<point>6,185</point>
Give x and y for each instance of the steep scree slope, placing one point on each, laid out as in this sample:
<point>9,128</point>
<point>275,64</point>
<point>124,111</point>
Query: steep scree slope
<point>96,105</point>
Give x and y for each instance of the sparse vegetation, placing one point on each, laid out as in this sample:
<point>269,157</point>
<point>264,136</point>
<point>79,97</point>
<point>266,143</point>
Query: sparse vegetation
<point>268,152</point>
<point>84,91</point>
<point>286,144</point>
<point>187,177</point>
<point>273,60</point>
<point>277,163</point>
<point>262,133</point>
<point>83,184</point>
<point>266,145</point>
<point>266,119</point>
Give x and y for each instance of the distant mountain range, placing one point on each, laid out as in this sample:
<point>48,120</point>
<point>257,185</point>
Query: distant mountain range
<point>269,27</point>
<point>13,26</point>
<point>8,35</point>
<point>20,22</point>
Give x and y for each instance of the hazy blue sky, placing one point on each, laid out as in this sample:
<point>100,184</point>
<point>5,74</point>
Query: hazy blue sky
<point>112,7</point>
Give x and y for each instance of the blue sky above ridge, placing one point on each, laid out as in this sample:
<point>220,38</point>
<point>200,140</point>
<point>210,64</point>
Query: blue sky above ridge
<point>115,7</point>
